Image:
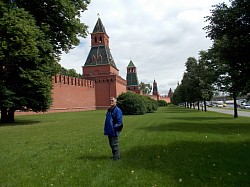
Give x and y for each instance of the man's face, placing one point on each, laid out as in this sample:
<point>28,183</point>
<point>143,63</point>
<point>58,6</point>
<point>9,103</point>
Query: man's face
<point>112,102</point>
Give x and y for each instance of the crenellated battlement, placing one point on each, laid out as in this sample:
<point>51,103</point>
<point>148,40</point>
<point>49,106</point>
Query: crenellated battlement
<point>63,79</point>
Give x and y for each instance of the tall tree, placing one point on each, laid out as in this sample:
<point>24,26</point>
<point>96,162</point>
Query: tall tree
<point>207,77</point>
<point>145,87</point>
<point>229,29</point>
<point>191,80</point>
<point>30,46</point>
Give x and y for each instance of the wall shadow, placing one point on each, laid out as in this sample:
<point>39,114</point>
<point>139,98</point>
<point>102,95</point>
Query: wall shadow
<point>193,163</point>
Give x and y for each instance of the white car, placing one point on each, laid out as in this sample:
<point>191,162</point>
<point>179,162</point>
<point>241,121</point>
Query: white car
<point>245,105</point>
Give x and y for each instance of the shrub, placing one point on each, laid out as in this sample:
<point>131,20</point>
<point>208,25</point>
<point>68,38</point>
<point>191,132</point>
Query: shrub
<point>151,104</point>
<point>131,104</point>
<point>162,103</point>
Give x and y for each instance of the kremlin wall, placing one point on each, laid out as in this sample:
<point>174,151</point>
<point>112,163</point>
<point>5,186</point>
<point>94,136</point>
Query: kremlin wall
<point>101,79</point>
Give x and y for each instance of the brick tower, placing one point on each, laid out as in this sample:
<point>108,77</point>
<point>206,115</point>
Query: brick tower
<point>132,79</point>
<point>155,90</point>
<point>101,68</point>
<point>170,93</point>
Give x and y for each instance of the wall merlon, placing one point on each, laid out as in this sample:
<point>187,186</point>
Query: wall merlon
<point>63,79</point>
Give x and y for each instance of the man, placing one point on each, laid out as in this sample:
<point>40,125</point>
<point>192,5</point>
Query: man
<point>113,125</point>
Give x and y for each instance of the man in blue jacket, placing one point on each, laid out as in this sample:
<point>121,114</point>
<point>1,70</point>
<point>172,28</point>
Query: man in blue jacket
<point>113,125</point>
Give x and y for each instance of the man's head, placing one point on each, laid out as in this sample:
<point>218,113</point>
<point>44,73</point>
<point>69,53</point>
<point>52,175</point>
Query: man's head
<point>112,101</point>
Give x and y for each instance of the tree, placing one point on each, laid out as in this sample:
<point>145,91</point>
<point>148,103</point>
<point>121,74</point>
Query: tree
<point>207,77</point>
<point>30,45</point>
<point>146,88</point>
<point>229,29</point>
<point>196,84</point>
<point>59,20</point>
<point>69,72</point>
<point>191,81</point>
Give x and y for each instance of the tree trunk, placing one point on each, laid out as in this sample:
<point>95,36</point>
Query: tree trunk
<point>198,105</point>
<point>7,116</point>
<point>4,115</point>
<point>235,106</point>
<point>205,105</point>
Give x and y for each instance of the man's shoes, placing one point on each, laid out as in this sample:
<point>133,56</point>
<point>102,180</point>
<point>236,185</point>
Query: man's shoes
<point>115,158</point>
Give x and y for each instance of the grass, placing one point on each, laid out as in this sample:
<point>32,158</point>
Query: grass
<point>171,147</point>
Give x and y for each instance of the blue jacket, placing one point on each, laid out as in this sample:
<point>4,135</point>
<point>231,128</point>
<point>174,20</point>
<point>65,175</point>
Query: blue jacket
<point>113,121</point>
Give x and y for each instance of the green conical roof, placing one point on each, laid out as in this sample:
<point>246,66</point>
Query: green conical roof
<point>131,64</point>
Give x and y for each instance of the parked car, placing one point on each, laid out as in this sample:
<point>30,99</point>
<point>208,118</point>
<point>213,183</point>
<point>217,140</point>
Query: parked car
<point>220,105</point>
<point>245,105</point>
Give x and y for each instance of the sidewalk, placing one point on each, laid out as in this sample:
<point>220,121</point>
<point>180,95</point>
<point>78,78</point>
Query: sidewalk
<point>231,112</point>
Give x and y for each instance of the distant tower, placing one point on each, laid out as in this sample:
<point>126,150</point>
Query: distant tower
<point>155,90</point>
<point>132,79</point>
<point>101,68</point>
<point>170,93</point>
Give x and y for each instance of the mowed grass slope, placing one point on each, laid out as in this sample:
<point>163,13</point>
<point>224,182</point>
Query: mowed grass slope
<point>171,147</point>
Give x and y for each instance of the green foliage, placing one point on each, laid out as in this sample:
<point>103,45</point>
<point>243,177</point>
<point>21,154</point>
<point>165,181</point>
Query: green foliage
<point>146,88</point>
<point>197,81</point>
<point>59,20</point>
<point>229,29</point>
<point>69,72</point>
<point>26,63</point>
<point>131,104</point>
<point>173,147</point>
<point>151,104</point>
<point>134,104</point>
<point>33,34</point>
<point>162,103</point>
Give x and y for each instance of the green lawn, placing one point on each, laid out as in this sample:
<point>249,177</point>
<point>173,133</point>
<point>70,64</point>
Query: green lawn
<point>171,147</point>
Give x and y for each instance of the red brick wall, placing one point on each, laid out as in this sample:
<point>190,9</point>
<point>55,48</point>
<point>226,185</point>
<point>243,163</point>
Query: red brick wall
<point>73,93</point>
<point>165,98</point>
<point>120,86</point>
<point>101,70</point>
<point>106,87</point>
<point>108,83</point>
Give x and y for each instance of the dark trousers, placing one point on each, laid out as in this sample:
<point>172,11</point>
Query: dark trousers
<point>113,142</point>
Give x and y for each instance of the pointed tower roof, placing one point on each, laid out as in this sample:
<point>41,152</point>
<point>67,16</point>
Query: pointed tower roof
<point>132,79</point>
<point>131,64</point>
<point>99,53</point>
<point>99,27</point>
<point>155,89</point>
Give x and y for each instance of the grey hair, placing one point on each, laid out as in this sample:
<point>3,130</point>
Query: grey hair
<point>113,98</point>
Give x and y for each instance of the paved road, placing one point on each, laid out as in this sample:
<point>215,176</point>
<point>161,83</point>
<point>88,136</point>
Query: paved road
<point>225,111</point>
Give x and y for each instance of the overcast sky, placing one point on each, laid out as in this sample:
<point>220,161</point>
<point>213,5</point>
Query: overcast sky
<point>157,35</point>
